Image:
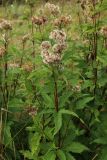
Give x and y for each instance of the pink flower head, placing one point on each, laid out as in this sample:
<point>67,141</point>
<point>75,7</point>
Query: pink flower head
<point>58,35</point>
<point>45,45</point>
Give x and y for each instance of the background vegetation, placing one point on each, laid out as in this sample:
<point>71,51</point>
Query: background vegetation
<point>53,80</point>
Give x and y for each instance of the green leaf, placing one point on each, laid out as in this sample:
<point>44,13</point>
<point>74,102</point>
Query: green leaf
<point>58,122</point>
<point>82,103</point>
<point>101,140</point>
<point>48,133</point>
<point>50,156</point>
<point>61,155</point>
<point>15,105</point>
<point>103,59</point>
<point>64,111</point>
<point>34,142</point>
<point>63,99</point>
<point>102,80</point>
<point>76,147</point>
<point>7,135</point>
<point>27,154</point>
<point>69,157</point>
<point>47,111</point>
<point>103,154</point>
<point>48,100</point>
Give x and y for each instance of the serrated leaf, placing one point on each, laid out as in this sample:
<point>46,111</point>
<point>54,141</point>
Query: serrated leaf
<point>101,140</point>
<point>16,105</point>
<point>61,155</point>
<point>58,122</point>
<point>48,133</point>
<point>82,103</point>
<point>69,156</point>
<point>63,99</point>
<point>27,154</point>
<point>50,156</point>
<point>7,135</point>
<point>76,147</point>
<point>103,59</point>
<point>34,142</point>
<point>64,111</point>
<point>47,111</point>
<point>48,100</point>
<point>103,154</point>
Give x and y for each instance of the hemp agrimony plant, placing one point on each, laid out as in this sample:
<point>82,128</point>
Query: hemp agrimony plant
<point>53,82</point>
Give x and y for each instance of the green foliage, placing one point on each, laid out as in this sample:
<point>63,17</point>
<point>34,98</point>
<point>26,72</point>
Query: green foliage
<point>76,147</point>
<point>53,110</point>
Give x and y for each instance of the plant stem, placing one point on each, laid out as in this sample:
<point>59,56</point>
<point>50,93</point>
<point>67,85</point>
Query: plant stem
<point>56,102</point>
<point>4,89</point>
<point>32,33</point>
<point>55,92</point>
<point>95,41</point>
<point>6,69</point>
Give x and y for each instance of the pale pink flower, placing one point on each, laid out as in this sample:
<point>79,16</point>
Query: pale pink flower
<point>58,48</point>
<point>63,20</point>
<point>44,53</point>
<point>5,25</point>
<point>52,59</point>
<point>32,110</point>
<point>53,54</point>
<point>58,35</point>
<point>51,8</point>
<point>39,20</point>
<point>45,45</point>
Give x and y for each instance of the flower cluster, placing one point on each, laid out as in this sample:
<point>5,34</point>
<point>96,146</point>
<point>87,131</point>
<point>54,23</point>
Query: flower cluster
<point>52,9</point>
<point>88,2</point>
<point>49,58</point>
<point>88,7</point>
<point>46,45</point>
<point>63,20</point>
<point>58,36</point>
<point>32,110</point>
<point>39,20</point>
<point>58,48</point>
<point>53,54</point>
<point>77,88</point>
<point>5,25</point>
